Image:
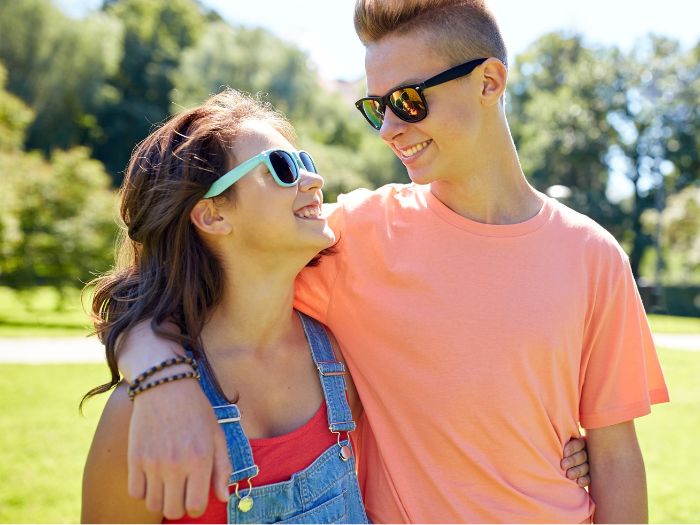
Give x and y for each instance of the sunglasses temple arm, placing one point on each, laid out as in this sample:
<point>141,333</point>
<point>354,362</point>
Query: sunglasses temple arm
<point>451,74</point>
<point>229,179</point>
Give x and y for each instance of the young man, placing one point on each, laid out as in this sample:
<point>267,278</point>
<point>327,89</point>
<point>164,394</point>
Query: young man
<point>482,322</point>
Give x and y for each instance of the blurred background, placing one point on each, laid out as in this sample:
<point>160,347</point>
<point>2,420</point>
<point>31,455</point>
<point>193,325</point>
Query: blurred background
<point>603,103</point>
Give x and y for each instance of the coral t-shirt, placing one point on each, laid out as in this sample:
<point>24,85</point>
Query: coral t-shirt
<point>477,350</point>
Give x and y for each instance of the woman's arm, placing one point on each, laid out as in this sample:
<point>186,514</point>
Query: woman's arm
<point>105,495</point>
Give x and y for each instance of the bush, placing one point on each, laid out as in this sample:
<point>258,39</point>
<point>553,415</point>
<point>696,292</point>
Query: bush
<point>56,219</point>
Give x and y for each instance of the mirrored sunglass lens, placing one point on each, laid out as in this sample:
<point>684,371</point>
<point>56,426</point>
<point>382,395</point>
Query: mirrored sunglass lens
<point>284,166</point>
<point>408,103</point>
<point>308,162</point>
<point>372,111</point>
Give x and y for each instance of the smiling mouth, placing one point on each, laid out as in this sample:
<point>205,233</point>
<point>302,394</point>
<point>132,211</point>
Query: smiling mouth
<point>309,212</point>
<point>413,150</point>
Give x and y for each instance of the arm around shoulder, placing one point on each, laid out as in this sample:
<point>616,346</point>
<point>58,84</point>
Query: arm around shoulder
<point>105,496</point>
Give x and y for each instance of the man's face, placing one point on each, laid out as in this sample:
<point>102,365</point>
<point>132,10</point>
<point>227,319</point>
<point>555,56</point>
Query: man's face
<point>440,146</point>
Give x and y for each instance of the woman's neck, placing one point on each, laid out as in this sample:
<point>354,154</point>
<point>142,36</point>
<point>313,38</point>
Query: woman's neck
<point>256,310</point>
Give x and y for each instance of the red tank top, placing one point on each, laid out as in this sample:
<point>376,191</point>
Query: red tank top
<point>278,458</point>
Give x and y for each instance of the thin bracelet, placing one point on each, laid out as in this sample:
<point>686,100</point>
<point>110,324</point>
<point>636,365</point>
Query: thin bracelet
<point>138,389</point>
<point>160,366</point>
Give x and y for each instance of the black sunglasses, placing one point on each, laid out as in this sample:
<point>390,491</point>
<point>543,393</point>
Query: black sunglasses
<point>408,102</point>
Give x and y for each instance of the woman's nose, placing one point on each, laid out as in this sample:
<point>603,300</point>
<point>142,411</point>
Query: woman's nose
<point>310,181</point>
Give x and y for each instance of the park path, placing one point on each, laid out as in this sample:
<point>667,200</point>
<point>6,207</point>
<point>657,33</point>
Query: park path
<point>89,350</point>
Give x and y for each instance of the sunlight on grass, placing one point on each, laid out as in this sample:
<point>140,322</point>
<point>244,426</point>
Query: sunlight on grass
<point>669,324</point>
<point>667,438</point>
<point>44,441</point>
<point>34,314</point>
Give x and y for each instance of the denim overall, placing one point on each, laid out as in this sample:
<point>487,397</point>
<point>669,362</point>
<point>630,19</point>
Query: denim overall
<point>326,491</point>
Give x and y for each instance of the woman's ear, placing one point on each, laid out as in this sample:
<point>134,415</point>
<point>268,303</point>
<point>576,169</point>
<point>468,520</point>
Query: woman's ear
<point>494,78</point>
<point>207,218</point>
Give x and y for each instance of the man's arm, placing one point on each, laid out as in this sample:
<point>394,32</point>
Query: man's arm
<point>176,448</point>
<point>619,487</point>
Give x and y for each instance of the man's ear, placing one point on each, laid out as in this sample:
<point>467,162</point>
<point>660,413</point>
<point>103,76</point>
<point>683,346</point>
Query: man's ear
<point>494,77</point>
<point>207,218</point>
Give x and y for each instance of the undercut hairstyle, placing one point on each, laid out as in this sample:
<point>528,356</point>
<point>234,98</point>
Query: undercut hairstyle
<point>458,30</point>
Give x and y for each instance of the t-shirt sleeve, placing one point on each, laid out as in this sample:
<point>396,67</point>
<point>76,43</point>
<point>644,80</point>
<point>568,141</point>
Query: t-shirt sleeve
<point>314,285</point>
<point>620,372</point>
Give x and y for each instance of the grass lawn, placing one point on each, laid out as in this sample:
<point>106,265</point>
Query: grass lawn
<point>44,441</point>
<point>669,324</point>
<point>34,314</point>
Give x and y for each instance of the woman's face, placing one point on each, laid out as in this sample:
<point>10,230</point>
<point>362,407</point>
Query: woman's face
<point>269,218</point>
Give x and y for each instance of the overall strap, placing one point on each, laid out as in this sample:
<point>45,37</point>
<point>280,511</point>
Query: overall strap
<point>229,417</point>
<point>331,373</point>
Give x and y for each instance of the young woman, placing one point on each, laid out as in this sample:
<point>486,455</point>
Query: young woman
<point>221,212</point>
<point>217,255</point>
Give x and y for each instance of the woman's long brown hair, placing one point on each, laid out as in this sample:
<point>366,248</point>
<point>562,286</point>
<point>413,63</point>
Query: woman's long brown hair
<point>163,269</point>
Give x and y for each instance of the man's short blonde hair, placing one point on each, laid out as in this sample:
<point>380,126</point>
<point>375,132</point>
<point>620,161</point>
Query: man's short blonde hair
<point>459,30</point>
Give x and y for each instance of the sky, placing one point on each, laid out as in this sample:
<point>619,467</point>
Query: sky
<point>324,27</point>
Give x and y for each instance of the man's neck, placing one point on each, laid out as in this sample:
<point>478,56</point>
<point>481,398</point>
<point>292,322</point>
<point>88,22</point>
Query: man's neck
<point>492,189</point>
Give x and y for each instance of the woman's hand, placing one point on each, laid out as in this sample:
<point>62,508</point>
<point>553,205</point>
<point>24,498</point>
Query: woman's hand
<point>575,461</point>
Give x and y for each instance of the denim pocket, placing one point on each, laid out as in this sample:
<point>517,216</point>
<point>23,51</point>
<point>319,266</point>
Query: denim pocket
<point>332,511</point>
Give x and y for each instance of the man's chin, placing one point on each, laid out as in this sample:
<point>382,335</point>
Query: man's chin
<point>420,176</point>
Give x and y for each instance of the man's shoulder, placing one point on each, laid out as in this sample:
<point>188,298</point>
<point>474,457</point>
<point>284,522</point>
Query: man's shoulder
<point>389,195</point>
<point>581,229</point>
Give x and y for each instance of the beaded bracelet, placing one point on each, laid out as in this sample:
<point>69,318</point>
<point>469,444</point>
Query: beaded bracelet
<point>160,366</point>
<point>135,390</point>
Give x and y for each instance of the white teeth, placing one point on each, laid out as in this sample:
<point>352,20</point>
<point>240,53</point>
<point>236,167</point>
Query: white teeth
<point>309,212</point>
<point>414,149</point>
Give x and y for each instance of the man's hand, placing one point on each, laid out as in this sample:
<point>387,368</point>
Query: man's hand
<point>575,461</point>
<point>177,450</point>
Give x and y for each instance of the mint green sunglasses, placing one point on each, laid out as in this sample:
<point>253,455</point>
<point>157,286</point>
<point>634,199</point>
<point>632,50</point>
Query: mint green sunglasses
<point>283,165</point>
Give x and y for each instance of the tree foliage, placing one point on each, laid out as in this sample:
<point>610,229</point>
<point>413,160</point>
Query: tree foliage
<point>56,215</point>
<point>579,113</point>
<point>582,116</point>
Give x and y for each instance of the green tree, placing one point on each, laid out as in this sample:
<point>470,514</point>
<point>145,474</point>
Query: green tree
<point>561,93</point>
<point>57,217</point>
<point>250,60</point>
<point>15,116</point>
<point>155,34</point>
<point>655,127</point>
<point>59,66</point>
<point>679,225</point>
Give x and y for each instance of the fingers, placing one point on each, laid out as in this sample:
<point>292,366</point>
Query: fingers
<point>578,471</point>
<point>197,488</point>
<point>583,481</point>
<point>579,458</point>
<point>574,445</point>
<point>222,467</point>
<point>173,497</point>
<point>137,480</point>
<point>154,495</point>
